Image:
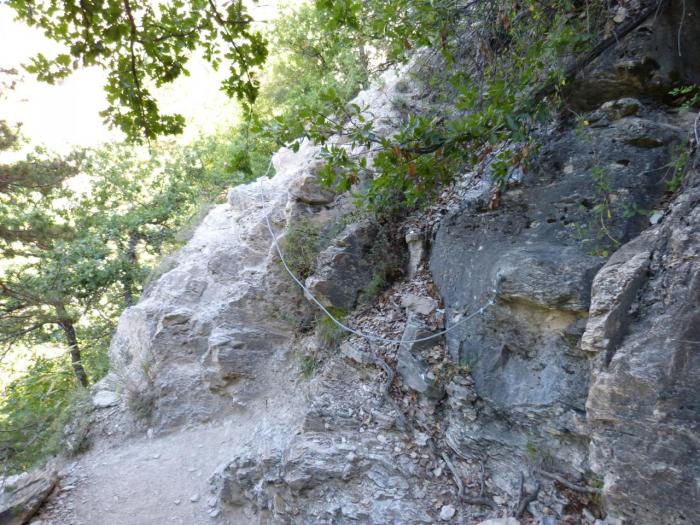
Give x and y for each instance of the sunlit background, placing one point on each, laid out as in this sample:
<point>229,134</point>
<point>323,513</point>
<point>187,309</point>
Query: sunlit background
<point>66,114</point>
<point>63,116</point>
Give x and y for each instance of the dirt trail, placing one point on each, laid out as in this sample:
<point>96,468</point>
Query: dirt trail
<point>145,481</point>
<point>165,479</point>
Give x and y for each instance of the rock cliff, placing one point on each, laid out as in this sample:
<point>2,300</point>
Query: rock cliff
<point>566,385</point>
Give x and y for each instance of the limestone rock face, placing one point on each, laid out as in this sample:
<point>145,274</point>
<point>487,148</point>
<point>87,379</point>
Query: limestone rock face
<point>657,55</point>
<point>644,404</point>
<point>191,346</point>
<point>537,255</point>
<point>308,189</point>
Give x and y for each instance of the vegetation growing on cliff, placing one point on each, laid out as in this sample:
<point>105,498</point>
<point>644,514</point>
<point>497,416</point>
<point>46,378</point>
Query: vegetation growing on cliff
<point>75,257</point>
<point>76,251</point>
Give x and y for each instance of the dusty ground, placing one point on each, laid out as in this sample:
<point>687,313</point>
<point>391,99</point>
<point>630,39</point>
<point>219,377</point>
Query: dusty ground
<point>164,479</point>
<point>145,481</point>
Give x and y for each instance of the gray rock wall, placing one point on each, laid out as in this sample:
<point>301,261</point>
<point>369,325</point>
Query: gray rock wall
<point>643,406</point>
<point>537,255</point>
<point>584,365</point>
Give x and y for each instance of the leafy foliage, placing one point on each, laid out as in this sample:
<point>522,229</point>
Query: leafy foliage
<point>516,48</point>
<point>142,45</point>
<point>34,411</point>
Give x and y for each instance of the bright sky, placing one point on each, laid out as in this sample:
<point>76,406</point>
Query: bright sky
<point>67,114</point>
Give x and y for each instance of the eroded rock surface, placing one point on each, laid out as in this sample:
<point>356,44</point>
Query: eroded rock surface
<point>192,346</point>
<point>537,256</point>
<point>345,268</point>
<point>644,402</point>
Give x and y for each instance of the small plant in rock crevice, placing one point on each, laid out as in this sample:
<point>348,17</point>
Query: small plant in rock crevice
<point>140,395</point>
<point>677,168</point>
<point>309,365</point>
<point>303,242</point>
<point>300,246</point>
<point>141,402</point>
<point>328,332</point>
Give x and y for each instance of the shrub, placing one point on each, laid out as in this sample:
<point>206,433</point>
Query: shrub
<point>35,410</point>
<point>301,246</point>
<point>140,400</point>
<point>309,365</point>
<point>329,333</point>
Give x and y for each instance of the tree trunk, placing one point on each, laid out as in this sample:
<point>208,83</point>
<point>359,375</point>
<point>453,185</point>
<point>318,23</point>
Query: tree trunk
<point>128,281</point>
<point>66,325</point>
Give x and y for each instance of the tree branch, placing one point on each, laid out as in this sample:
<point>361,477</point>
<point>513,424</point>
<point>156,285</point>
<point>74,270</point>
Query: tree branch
<point>568,484</point>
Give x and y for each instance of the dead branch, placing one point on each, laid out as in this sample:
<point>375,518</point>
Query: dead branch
<point>482,499</point>
<point>524,498</point>
<point>455,474</point>
<point>568,484</point>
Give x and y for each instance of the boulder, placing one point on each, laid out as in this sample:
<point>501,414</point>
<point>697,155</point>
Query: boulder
<point>344,269</point>
<point>211,323</point>
<point>308,189</point>
<point>411,366</point>
<point>22,496</point>
<point>105,399</point>
<point>419,304</point>
<point>415,241</point>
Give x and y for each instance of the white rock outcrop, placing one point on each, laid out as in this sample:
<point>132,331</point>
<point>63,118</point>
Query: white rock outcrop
<point>192,344</point>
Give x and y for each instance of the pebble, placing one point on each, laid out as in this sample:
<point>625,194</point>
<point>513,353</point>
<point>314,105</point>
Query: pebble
<point>156,456</point>
<point>656,217</point>
<point>194,498</point>
<point>421,439</point>
<point>177,501</point>
<point>588,515</point>
<point>447,513</point>
<point>212,501</point>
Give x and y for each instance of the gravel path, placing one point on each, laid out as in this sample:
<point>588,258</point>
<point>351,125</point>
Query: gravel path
<point>145,481</point>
